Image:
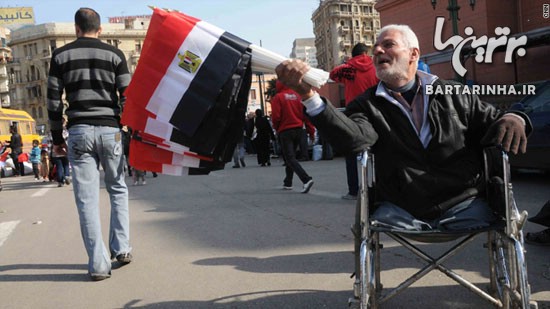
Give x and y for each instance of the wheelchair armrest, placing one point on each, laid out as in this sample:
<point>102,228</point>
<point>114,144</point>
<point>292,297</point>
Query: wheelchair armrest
<point>497,178</point>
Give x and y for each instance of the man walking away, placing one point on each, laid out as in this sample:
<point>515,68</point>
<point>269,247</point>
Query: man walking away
<point>357,74</point>
<point>94,76</point>
<point>288,118</point>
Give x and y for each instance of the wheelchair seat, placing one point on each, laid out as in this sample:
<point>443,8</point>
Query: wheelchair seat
<point>508,285</point>
<point>437,236</point>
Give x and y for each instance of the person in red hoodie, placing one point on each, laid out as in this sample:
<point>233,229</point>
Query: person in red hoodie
<point>357,74</point>
<point>287,115</point>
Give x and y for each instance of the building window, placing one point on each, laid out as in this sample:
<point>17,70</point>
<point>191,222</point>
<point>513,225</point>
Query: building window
<point>53,45</point>
<point>138,46</point>
<point>40,113</point>
<point>253,94</point>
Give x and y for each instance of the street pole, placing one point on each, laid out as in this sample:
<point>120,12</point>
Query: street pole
<point>260,75</point>
<point>453,9</point>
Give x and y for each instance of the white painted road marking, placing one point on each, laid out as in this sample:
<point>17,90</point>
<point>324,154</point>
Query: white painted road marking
<point>40,192</point>
<point>5,230</point>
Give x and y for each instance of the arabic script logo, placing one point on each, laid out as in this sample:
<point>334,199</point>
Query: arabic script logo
<point>484,46</point>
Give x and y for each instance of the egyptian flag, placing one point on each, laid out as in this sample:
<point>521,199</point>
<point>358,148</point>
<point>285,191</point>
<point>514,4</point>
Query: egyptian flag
<point>188,96</point>
<point>184,66</point>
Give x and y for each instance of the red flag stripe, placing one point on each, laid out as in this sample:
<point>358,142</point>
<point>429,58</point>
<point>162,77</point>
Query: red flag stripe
<point>165,31</point>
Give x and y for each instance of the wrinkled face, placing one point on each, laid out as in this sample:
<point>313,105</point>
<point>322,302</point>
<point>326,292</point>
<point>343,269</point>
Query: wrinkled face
<point>392,58</point>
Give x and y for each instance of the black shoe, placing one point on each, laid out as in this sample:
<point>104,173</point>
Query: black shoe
<point>236,166</point>
<point>268,163</point>
<point>124,258</point>
<point>99,277</point>
<point>155,175</point>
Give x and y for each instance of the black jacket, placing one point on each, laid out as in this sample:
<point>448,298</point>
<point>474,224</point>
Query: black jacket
<point>409,175</point>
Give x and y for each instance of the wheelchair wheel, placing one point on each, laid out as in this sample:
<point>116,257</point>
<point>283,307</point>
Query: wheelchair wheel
<point>508,271</point>
<point>370,287</point>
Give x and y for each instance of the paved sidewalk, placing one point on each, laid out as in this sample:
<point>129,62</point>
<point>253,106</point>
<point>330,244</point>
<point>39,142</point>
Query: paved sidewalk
<point>233,239</point>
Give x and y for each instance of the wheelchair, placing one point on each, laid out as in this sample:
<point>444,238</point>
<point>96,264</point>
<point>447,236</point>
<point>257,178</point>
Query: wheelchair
<point>508,285</point>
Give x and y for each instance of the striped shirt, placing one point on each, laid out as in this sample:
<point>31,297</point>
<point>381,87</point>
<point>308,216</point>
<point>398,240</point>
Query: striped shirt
<point>94,76</point>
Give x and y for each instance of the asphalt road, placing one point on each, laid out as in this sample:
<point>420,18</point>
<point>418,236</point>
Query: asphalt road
<point>232,239</point>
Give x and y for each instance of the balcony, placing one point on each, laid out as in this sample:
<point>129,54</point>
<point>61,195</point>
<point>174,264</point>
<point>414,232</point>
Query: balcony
<point>342,30</point>
<point>340,14</point>
<point>345,44</point>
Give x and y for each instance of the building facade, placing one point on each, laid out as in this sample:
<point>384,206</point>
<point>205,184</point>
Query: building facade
<point>32,47</point>
<point>5,55</point>
<point>340,24</point>
<point>304,49</point>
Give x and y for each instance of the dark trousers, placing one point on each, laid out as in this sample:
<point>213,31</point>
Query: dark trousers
<point>19,167</point>
<point>304,153</point>
<point>290,139</point>
<point>352,174</point>
<point>262,149</point>
<point>62,168</point>
<point>36,170</point>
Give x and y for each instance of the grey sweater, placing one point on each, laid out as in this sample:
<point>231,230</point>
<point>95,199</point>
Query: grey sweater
<point>94,76</point>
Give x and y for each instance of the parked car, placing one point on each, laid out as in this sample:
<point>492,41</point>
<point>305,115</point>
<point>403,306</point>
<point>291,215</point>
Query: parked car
<point>537,107</point>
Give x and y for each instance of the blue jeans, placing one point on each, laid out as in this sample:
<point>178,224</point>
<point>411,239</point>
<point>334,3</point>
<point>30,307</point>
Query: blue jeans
<point>89,146</point>
<point>473,213</point>
<point>61,167</point>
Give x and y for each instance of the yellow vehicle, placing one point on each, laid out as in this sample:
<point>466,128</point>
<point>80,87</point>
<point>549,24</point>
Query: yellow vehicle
<point>26,127</point>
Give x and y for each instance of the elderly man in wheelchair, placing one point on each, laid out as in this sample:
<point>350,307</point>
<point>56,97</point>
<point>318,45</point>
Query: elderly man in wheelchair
<point>429,147</point>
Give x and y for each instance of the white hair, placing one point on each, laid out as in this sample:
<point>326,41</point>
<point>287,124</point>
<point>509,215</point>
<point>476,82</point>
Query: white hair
<point>409,38</point>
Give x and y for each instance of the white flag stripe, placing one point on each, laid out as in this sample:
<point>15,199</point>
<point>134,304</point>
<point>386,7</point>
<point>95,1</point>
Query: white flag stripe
<point>188,161</point>
<point>173,147</point>
<point>5,230</point>
<point>176,81</point>
<point>158,128</point>
<point>174,170</point>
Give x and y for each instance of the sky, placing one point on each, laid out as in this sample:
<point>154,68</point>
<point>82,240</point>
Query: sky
<point>274,24</point>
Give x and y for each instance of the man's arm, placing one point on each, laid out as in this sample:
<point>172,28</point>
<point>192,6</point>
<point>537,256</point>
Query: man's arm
<point>276,112</point>
<point>122,79</point>
<point>348,135</point>
<point>510,131</point>
<point>54,103</point>
<point>507,129</point>
<point>336,74</point>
